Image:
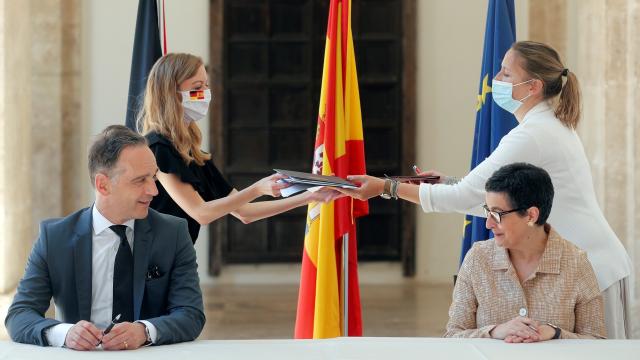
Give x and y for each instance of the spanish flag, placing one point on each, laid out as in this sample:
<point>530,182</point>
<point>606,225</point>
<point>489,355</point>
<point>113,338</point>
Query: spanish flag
<point>339,151</point>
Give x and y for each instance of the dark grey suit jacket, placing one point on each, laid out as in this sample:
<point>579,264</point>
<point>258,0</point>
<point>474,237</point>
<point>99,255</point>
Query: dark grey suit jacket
<point>60,267</point>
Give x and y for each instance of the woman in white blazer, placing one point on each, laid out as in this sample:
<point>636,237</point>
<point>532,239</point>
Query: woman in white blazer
<point>530,85</point>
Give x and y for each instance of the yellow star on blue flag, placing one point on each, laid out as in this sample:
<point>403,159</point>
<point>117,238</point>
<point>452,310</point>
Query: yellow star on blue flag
<point>492,122</point>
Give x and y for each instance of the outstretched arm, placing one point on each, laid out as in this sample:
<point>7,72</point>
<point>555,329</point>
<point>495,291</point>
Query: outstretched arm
<point>263,209</point>
<point>370,186</point>
<point>205,212</point>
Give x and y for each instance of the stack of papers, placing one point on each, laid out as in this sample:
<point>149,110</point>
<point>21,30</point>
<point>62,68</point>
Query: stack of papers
<point>301,181</point>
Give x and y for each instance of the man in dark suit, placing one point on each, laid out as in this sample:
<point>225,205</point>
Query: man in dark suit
<point>86,263</point>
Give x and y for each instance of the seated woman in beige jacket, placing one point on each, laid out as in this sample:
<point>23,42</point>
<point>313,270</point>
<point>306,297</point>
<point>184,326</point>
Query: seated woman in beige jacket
<point>527,284</point>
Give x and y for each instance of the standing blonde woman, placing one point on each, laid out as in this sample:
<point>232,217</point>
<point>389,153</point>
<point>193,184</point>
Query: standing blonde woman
<point>190,186</point>
<point>544,96</point>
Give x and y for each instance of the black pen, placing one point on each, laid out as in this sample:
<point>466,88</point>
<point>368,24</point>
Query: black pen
<point>108,329</point>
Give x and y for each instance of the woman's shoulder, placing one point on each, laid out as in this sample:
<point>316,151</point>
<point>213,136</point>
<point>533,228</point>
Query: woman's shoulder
<point>562,243</point>
<point>569,253</point>
<point>478,262</point>
<point>574,264</point>
<point>484,246</point>
<point>155,138</point>
<point>538,134</point>
<point>542,118</point>
<point>167,156</point>
<point>482,252</point>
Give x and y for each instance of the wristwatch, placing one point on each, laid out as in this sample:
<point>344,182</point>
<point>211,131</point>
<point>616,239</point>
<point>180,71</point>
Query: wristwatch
<point>147,333</point>
<point>386,191</point>
<point>557,329</point>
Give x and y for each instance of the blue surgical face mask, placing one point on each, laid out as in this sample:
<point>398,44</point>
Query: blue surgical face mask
<point>502,93</point>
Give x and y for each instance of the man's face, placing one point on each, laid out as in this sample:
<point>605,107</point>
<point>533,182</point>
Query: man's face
<point>132,184</point>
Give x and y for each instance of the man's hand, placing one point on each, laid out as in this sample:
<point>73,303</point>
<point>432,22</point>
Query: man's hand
<point>83,336</point>
<point>125,336</point>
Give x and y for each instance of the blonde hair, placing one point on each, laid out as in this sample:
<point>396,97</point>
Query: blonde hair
<point>542,62</point>
<point>162,110</point>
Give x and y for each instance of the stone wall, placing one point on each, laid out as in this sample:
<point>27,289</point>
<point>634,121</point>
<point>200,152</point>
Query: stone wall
<point>42,134</point>
<point>598,40</point>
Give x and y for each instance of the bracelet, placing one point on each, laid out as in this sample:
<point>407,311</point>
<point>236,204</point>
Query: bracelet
<point>386,190</point>
<point>451,180</point>
<point>557,331</point>
<point>394,189</point>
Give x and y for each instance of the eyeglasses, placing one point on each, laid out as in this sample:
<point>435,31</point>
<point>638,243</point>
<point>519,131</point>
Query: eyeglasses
<point>497,215</point>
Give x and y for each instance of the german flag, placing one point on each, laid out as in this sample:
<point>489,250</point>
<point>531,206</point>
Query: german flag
<point>339,151</point>
<point>196,95</point>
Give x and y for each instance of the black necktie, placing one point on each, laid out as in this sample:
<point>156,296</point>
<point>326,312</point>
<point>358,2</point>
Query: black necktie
<point>123,277</point>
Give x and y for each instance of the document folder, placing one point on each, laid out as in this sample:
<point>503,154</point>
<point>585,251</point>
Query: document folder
<point>297,177</point>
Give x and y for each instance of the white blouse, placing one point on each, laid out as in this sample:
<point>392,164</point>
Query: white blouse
<point>542,140</point>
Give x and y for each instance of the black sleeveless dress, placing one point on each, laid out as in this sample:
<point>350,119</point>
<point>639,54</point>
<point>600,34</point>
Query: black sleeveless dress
<point>206,180</point>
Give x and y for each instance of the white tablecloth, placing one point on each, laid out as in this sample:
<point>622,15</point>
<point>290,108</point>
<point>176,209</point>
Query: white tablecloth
<point>347,348</point>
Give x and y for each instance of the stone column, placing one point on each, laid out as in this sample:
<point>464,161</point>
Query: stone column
<point>547,23</point>
<point>601,46</point>
<point>75,183</point>
<point>46,107</point>
<point>42,135</point>
<point>15,147</point>
<point>15,141</point>
<point>58,131</point>
<point>608,63</point>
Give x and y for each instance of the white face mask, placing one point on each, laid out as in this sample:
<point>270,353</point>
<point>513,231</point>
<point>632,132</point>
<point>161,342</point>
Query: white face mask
<point>195,104</point>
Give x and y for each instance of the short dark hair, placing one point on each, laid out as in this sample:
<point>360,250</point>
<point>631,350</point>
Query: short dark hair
<point>105,150</point>
<point>525,185</point>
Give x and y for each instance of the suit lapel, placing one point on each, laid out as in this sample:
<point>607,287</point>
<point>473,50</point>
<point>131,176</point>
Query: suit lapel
<point>83,258</point>
<point>141,248</point>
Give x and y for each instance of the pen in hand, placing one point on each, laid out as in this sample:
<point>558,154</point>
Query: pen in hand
<point>108,329</point>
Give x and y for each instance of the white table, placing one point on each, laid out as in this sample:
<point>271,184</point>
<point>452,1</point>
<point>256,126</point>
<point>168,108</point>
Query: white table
<point>347,348</point>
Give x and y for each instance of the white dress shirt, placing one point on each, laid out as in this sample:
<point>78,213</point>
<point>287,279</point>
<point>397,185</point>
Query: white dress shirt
<point>542,140</point>
<point>104,250</point>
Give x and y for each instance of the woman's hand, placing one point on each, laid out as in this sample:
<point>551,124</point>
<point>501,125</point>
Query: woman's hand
<point>369,187</point>
<point>270,186</point>
<point>546,333</point>
<point>434,173</point>
<point>324,195</point>
<point>518,329</point>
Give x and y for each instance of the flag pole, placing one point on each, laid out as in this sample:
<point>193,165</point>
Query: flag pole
<point>345,284</point>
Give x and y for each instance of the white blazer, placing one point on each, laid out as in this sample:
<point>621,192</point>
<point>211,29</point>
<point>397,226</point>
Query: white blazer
<point>542,140</point>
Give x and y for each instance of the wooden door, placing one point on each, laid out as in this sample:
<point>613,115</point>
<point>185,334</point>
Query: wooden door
<point>266,67</point>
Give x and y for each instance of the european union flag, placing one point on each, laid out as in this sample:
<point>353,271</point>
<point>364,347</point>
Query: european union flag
<point>492,122</point>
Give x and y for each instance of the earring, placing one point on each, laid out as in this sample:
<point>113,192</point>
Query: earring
<point>530,224</point>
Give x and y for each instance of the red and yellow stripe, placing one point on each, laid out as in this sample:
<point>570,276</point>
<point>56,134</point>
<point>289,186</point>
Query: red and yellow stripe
<point>340,152</point>
<point>196,95</point>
